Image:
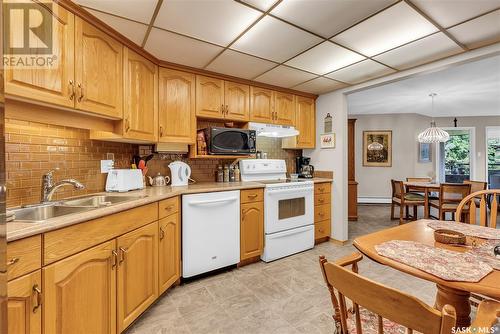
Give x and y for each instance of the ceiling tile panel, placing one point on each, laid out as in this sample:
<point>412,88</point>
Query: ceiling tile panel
<point>261,4</point>
<point>284,76</point>
<point>359,72</point>
<point>138,10</point>
<point>240,65</point>
<point>218,22</point>
<point>179,49</point>
<point>273,39</point>
<point>393,27</point>
<point>425,50</point>
<point>481,31</point>
<point>327,18</point>
<point>450,12</point>
<point>132,30</point>
<point>324,58</point>
<point>320,86</point>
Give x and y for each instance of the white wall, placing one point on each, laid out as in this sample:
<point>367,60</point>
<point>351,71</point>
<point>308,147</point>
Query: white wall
<point>336,104</point>
<point>374,183</point>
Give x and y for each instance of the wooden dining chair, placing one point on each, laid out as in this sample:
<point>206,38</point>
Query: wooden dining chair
<point>467,209</point>
<point>450,196</point>
<point>377,308</point>
<point>404,200</point>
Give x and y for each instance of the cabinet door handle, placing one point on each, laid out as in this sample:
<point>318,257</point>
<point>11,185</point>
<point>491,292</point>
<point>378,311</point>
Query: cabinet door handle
<point>81,92</point>
<point>122,255</point>
<point>13,261</point>
<point>38,299</point>
<point>162,233</point>
<point>222,109</point>
<point>252,195</point>
<point>72,86</point>
<point>161,131</point>
<point>227,109</point>
<point>169,208</point>
<point>114,254</point>
<point>127,125</point>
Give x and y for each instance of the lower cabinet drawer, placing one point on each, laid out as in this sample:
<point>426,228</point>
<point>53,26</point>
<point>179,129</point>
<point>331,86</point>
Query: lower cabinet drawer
<point>168,206</point>
<point>251,195</point>
<point>24,256</point>
<point>322,212</point>
<point>320,199</point>
<point>322,229</point>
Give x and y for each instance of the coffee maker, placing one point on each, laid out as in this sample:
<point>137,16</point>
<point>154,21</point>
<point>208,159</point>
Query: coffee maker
<point>303,168</point>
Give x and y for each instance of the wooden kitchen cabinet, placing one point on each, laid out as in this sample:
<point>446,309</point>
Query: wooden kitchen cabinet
<point>177,120</point>
<point>98,71</point>
<point>24,256</point>
<point>305,123</point>
<point>261,105</point>
<point>56,85</point>
<point>137,280</point>
<point>80,292</point>
<point>24,305</point>
<point>140,110</point>
<point>209,97</point>
<point>322,211</point>
<point>169,270</point>
<point>237,101</point>
<point>284,109</point>
<point>251,230</point>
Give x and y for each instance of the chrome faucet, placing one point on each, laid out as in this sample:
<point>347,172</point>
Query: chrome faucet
<point>49,188</point>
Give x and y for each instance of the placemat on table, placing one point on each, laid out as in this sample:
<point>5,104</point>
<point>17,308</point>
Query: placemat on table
<point>443,263</point>
<point>467,229</point>
<point>484,252</point>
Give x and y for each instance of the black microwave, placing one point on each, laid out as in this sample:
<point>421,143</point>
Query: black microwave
<point>230,141</point>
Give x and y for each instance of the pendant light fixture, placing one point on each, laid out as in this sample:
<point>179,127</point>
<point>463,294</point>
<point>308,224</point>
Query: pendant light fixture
<point>433,134</point>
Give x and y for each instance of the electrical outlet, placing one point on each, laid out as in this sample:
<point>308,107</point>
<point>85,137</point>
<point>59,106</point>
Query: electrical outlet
<point>106,166</point>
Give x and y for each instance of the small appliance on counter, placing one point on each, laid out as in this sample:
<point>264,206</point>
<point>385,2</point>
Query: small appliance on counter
<point>230,141</point>
<point>180,172</point>
<point>158,181</point>
<point>122,180</point>
<point>303,168</point>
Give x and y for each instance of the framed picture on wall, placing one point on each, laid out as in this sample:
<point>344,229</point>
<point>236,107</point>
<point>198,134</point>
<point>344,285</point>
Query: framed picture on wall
<point>377,148</point>
<point>424,152</point>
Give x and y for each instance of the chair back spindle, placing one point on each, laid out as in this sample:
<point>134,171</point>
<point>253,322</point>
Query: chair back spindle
<point>468,207</point>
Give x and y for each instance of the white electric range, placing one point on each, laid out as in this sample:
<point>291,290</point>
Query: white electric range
<point>288,208</point>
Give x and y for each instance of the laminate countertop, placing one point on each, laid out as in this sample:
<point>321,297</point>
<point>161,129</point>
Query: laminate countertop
<point>19,230</point>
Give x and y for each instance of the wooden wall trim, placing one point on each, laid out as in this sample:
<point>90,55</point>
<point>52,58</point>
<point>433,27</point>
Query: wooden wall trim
<point>26,111</point>
<point>82,13</point>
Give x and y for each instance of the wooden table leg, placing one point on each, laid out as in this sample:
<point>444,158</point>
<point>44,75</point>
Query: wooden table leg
<point>426,203</point>
<point>458,299</point>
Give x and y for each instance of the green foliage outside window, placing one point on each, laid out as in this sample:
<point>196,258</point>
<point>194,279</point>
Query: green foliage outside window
<point>494,154</point>
<point>457,155</point>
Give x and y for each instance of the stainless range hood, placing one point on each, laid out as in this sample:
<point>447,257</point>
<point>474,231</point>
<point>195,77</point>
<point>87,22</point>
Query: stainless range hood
<point>273,130</point>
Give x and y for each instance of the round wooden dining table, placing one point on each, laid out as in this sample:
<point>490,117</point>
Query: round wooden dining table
<point>423,187</point>
<point>453,293</point>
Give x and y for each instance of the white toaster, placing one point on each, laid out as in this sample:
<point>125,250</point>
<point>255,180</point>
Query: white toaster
<point>122,180</point>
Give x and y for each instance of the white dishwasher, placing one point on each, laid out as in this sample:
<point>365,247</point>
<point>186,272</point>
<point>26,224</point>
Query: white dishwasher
<point>210,231</point>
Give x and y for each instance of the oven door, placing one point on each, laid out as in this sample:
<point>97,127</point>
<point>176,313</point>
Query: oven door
<point>285,209</point>
<point>224,141</point>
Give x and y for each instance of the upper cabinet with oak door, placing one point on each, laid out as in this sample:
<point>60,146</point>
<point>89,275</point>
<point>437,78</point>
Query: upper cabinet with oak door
<point>177,120</point>
<point>305,123</point>
<point>219,99</point>
<point>98,71</point>
<point>284,109</point>
<point>55,85</point>
<point>261,105</point>
<point>140,110</point>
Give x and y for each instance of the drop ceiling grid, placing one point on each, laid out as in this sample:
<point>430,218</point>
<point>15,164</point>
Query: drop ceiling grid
<point>269,13</point>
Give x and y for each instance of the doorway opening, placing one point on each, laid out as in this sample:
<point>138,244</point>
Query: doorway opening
<point>493,156</point>
<point>455,158</point>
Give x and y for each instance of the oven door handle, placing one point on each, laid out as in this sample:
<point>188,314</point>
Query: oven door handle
<point>291,191</point>
<point>224,200</point>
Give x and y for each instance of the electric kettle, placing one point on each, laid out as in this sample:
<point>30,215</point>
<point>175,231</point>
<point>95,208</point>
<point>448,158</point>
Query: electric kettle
<point>180,172</point>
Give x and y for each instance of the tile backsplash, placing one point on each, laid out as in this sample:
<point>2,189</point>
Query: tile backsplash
<point>32,149</point>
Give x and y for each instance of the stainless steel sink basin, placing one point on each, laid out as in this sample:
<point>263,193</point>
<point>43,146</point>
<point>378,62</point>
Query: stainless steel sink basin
<point>42,212</point>
<point>97,201</point>
<point>38,214</point>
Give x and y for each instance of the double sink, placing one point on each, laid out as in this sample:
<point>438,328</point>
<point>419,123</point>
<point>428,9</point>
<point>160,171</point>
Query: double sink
<point>41,212</point>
